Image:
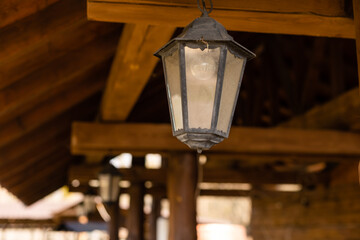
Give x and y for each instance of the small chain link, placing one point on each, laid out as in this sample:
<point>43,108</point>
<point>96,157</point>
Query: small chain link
<point>203,8</point>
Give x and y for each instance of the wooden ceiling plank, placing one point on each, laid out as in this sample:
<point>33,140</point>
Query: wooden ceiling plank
<point>57,76</point>
<point>48,187</point>
<point>93,83</point>
<point>339,113</point>
<point>158,138</point>
<point>48,131</point>
<point>56,45</point>
<point>132,66</point>
<point>14,10</point>
<point>36,30</point>
<point>50,183</point>
<point>356,7</point>
<point>40,163</point>
<point>261,16</point>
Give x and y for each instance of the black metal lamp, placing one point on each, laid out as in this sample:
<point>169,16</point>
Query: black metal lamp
<point>109,179</point>
<point>203,69</point>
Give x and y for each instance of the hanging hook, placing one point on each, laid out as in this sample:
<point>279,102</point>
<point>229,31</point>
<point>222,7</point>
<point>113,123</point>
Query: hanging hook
<point>204,9</point>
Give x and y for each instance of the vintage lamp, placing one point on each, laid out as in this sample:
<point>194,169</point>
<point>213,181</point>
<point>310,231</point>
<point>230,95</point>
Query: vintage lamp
<point>109,179</point>
<point>203,69</point>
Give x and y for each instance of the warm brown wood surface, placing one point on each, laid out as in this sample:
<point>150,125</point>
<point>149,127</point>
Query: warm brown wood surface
<point>131,68</point>
<point>52,108</point>
<point>316,18</point>
<point>181,189</point>
<point>84,173</point>
<point>135,220</point>
<point>115,138</point>
<point>31,37</point>
<point>322,213</point>
<point>356,8</point>
<point>342,112</point>
<point>12,10</point>
<point>65,72</point>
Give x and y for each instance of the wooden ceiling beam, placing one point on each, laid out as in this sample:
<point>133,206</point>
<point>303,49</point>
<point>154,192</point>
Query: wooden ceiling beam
<point>356,9</point>
<point>342,112</point>
<point>56,77</point>
<point>132,67</point>
<point>13,10</point>
<point>84,173</point>
<point>117,138</point>
<point>316,18</point>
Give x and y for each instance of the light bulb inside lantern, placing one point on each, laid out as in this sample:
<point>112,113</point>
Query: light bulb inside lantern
<point>203,66</point>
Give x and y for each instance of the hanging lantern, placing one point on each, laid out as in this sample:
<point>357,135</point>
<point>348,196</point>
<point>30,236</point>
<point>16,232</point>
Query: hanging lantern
<point>109,179</point>
<point>203,70</point>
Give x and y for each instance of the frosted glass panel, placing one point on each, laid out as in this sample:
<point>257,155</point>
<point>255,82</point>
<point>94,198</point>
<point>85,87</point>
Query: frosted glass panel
<point>232,75</point>
<point>201,78</point>
<point>173,86</point>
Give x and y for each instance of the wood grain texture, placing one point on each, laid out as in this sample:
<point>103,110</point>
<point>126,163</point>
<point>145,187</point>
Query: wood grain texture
<point>322,213</point>
<point>37,55</point>
<point>181,190</point>
<point>25,34</point>
<point>92,83</point>
<point>13,154</point>
<point>132,66</point>
<point>318,18</point>
<point>13,10</point>
<point>135,219</point>
<point>59,75</point>
<point>112,138</point>
<point>340,113</point>
<point>356,8</point>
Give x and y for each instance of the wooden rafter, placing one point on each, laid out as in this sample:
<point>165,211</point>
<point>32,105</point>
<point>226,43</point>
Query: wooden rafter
<point>131,68</point>
<point>316,18</point>
<point>115,138</point>
<point>341,112</point>
<point>356,7</point>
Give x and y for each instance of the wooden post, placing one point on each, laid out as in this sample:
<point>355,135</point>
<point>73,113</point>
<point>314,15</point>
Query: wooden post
<point>154,215</point>
<point>356,7</point>
<point>182,181</point>
<point>113,209</point>
<point>135,219</point>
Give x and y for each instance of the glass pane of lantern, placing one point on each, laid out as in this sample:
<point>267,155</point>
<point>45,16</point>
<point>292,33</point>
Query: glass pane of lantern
<point>104,186</point>
<point>172,70</point>
<point>201,78</point>
<point>232,77</point>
